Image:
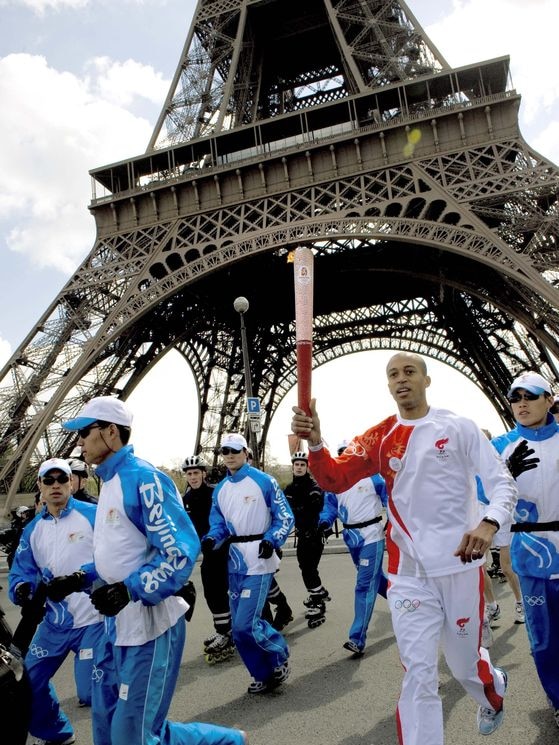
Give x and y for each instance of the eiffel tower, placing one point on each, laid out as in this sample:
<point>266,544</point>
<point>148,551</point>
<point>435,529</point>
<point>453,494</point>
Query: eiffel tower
<point>335,124</point>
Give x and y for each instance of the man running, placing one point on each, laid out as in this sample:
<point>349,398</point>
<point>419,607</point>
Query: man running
<point>429,459</point>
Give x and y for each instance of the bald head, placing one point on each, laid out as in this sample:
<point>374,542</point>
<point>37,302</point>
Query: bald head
<point>407,383</point>
<point>407,357</point>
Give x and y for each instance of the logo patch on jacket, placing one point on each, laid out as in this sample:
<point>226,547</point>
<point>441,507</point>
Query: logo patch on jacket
<point>112,517</point>
<point>440,445</point>
<point>75,537</point>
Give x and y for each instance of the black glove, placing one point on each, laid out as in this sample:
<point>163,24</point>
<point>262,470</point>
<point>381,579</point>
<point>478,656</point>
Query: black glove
<point>519,460</point>
<point>188,593</point>
<point>208,545</point>
<point>265,550</point>
<point>110,599</point>
<point>60,587</point>
<point>324,530</point>
<point>23,592</point>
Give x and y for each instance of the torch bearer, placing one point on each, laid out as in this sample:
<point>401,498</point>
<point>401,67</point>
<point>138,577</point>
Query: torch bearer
<point>303,263</point>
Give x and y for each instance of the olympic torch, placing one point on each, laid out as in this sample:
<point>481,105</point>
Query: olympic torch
<point>303,264</point>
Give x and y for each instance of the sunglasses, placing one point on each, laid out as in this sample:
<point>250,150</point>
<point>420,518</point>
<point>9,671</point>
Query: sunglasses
<point>50,480</point>
<point>515,397</point>
<point>229,451</point>
<point>83,433</point>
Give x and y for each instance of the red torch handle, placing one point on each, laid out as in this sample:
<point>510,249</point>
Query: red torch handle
<point>304,283</point>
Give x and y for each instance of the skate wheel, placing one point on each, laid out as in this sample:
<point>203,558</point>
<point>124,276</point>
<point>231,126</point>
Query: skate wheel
<point>210,659</point>
<point>315,623</point>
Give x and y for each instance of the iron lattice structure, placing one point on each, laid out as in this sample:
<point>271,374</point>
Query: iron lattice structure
<point>433,222</point>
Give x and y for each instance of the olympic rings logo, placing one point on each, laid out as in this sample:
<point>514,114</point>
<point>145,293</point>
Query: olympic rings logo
<point>408,605</point>
<point>534,600</point>
<point>96,674</point>
<point>37,651</point>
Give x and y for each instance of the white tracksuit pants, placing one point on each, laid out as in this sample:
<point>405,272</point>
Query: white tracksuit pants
<point>427,612</point>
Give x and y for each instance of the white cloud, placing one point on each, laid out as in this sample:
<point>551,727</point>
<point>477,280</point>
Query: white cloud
<point>547,141</point>
<point>55,126</point>
<point>478,30</point>
<point>41,6</point>
<point>122,82</point>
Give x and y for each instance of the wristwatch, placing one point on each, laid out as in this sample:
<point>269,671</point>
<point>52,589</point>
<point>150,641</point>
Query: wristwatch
<point>491,521</point>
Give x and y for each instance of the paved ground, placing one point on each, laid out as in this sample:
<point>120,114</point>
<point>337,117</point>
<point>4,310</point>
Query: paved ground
<point>331,699</point>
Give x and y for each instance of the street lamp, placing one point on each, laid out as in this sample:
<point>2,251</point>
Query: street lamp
<point>241,305</point>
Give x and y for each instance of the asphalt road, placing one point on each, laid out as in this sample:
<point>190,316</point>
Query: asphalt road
<point>331,699</point>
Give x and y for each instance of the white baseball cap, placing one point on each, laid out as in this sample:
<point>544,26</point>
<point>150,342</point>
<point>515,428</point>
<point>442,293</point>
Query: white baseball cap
<point>54,464</point>
<point>103,409</point>
<point>234,440</point>
<point>532,382</point>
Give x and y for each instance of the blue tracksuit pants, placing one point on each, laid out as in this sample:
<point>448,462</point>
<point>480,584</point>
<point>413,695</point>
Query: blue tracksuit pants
<point>541,606</point>
<point>260,646</point>
<point>368,562</point>
<point>48,649</point>
<point>132,691</point>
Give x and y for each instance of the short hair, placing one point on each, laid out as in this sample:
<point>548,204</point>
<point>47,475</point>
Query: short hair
<point>123,431</point>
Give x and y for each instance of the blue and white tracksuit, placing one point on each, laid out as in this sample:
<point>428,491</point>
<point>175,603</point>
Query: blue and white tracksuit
<point>361,503</point>
<point>250,503</point>
<point>535,552</point>
<point>144,538</point>
<point>52,547</point>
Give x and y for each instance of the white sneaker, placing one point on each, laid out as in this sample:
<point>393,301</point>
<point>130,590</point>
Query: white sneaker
<point>281,674</point>
<point>519,616</point>
<point>352,647</point>
<point>486,634</point>
<point>493,613</point>
<point>257,686</point>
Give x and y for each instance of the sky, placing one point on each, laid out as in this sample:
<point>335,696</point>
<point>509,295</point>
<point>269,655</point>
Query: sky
<point>82,83</point>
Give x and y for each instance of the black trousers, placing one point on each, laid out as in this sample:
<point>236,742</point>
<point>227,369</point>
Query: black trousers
<point>215,583</point>
<point>15,707</point>
<point>309,551</point>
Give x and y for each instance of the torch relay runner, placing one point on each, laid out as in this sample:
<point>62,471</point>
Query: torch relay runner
<point>436,543</point>
<point>144,550</point>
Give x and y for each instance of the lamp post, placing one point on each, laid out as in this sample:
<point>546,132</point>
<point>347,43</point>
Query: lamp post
<point>241,305</point>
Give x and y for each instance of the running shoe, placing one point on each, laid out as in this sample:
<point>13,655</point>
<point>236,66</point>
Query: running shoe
<point>352,647</point>
<point>281,674</point>
<point>493,614</point>
<point>68,741</point>
<point>519,616</point>
<point>257,686</point>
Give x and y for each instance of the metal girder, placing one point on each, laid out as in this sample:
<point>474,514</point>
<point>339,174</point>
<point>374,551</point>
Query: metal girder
<point>234,69</point>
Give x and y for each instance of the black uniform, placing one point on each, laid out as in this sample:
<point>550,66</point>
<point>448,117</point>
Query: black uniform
<point>15,688</point>
<point>213,570</point>
<point>306,500</point>
<point>84,496</point>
